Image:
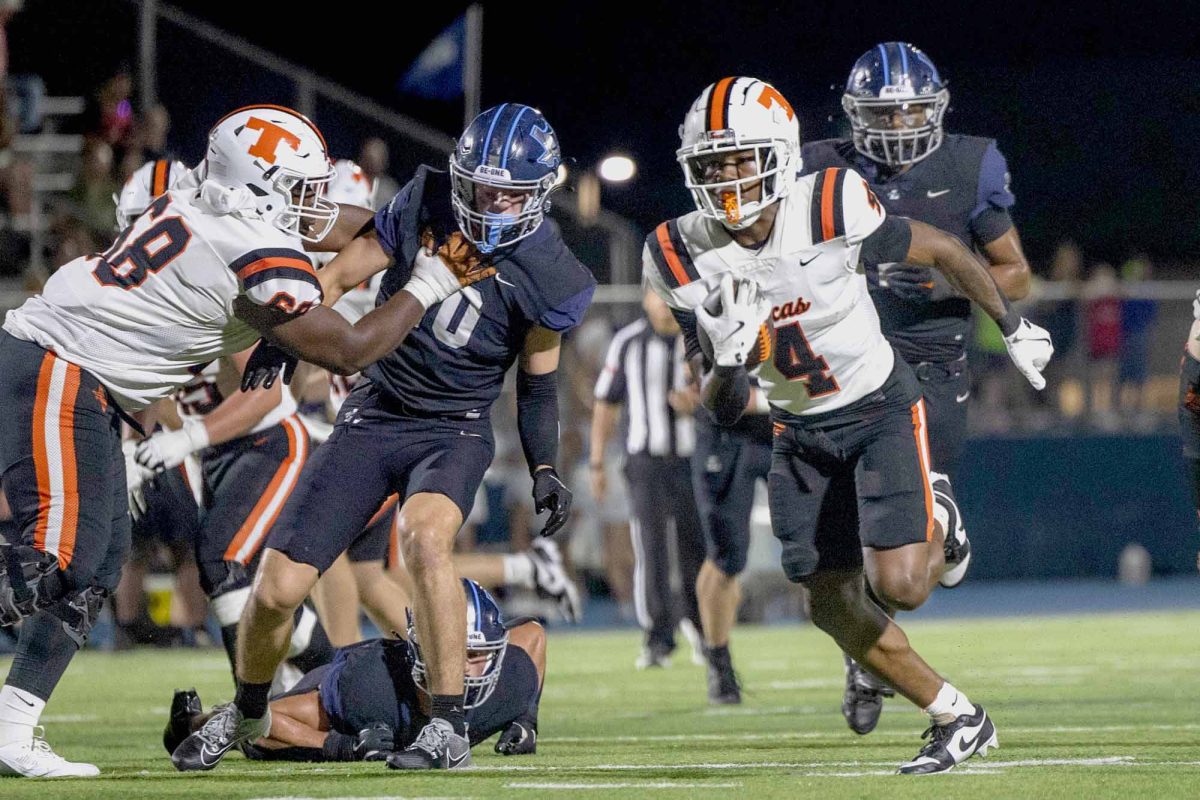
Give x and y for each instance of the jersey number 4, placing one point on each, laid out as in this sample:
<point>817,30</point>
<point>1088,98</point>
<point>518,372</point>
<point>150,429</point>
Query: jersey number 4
<point>796,361</point>
<point>127,265</point>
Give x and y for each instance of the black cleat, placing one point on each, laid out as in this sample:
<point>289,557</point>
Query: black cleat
<point>950,745</point>
<point>863,701</point>
<point>184,706</point>
<point>437,746</point>
<point>724,687</point>
<point>224,730</point>
<point>958,546</point>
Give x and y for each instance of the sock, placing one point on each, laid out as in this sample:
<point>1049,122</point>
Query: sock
<point>229,641</point>
<point>719,656</point>
<point>252,699</point>
<point>949,705</point>
<point>450,708</point>
<point>44,651</point>
<point>19,712</point>
<point>518,570</point>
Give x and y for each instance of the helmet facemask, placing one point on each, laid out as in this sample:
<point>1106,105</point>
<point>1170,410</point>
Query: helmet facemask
<point>484,657</point>
<point>307,213</point>
<point>776,165</point>
<point>491,230</point>
<point>876,136</point>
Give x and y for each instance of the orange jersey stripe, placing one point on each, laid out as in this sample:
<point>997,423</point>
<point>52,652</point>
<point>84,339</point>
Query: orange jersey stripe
<point>70,467</point>
<point>668,250</point>
<point>158,183</point>
<point>918,420</point>
<point>263,506</point>
<point>827,191</point>
<point>273,262</point>
<point>716,114</point>
<point>41,460</point>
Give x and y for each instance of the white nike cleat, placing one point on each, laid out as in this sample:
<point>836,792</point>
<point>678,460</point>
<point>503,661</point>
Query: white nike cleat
<point>695,640</point>
<point>958,546</point>
<point>35,759</point>
<point>950,745</point>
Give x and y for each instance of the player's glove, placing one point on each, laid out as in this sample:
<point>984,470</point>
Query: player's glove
<point>265,364</point>
<point>549,492</point>
<point>518,739</point>
<point>1030,348</point>
<point>731,316</point>
<point>135,478</point>
<point>374,743</point>
<point>167,449</point>
<point>441,272</point>
<point>911,283</point>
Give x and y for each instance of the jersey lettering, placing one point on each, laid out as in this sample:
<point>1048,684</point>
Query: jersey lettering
<point>129,266</point>
<point>457,317</point>
<point>796,361</point>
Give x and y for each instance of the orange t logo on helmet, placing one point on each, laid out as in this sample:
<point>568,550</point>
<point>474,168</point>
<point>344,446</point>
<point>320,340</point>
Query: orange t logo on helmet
<point>269,139</point>
<point>770,93</point>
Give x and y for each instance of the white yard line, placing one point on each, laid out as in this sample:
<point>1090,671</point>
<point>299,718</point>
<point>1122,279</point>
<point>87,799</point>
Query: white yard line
<point>629,785</point>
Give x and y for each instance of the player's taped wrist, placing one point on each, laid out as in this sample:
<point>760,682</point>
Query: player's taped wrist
<point>1011,320</point>
<point>425,294</point>
<point>537,418</point>
<point>197,434</point>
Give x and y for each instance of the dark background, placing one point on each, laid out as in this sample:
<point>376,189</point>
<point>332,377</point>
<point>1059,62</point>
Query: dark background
<point>1097,105</point>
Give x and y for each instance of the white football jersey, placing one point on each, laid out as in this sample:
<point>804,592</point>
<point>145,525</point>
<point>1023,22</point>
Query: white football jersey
<point>200,396</point>
<point>143,315</point>
<point>829,349</point>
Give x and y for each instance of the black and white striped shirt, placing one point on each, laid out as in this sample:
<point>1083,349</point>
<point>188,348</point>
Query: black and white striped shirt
<point>641,370</point>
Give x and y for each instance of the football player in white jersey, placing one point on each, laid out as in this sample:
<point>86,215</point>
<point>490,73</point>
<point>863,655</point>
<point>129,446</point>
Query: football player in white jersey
<point>849,487</point>
<point>205,271</point>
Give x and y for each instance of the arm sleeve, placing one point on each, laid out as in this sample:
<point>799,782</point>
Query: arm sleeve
<point>888,244</point>
<point>279,278</point>
<point>568,313</point>
<point>537,418</point>
<point>691,339</point>
<point>990,219</point>
<point>610,385</point>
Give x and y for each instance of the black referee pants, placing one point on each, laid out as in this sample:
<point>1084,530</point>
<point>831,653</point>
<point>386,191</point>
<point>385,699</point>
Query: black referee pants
<point>660,491</point>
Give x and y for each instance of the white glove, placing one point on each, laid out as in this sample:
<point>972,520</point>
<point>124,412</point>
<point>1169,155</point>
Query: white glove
<point>1030,349</point>
<point>167,449</point>
<point>431,281</point>
<point>733,327</point>
<point>135,477</point>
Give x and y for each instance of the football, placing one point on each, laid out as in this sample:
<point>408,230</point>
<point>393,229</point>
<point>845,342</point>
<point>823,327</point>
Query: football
<point>764,343</point>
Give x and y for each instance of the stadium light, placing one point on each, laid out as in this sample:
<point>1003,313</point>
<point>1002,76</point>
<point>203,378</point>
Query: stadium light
<point>617,169</point>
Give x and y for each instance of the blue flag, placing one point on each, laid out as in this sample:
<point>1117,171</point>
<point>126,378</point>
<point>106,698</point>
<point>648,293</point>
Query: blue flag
<point>437,74</point>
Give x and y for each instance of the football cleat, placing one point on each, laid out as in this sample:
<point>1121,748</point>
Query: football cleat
<point>724,687</point>
<point>551,580</point>
<point>695,641</point>
<point>654,656</point>
<point>184,705</point>
<point>35,759</point>
<point>863,701</point>
<point>437,746</point>
<point>225,729</point>
<point>958,546</point>
<point>950,745</point>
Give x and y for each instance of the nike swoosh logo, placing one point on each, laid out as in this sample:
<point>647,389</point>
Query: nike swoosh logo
<point>476,435</point>
<point>937,194</point>
<point>204,752</point>
<point>964,745</point>
<point>804,263</point>
<point>506,283</point>
<point>23,700</point>
<point>734,332</point>
<point>455,762</point>
<point>962,398</point>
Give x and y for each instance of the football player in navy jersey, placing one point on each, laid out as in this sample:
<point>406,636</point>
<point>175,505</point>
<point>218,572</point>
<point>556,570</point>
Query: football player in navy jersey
<point>895,100</point>
<point>418,423</point>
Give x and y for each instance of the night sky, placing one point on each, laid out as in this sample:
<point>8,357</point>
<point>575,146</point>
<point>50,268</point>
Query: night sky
<point>1096,106</point>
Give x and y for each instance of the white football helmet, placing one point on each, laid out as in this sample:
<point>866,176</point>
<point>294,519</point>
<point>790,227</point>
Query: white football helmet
<point>146,183</point>
<point>351,186</point>
<point>281,157</point>
<point>731,116</point>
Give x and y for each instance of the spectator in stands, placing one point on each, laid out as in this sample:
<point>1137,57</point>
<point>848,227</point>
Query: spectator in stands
<point>108,115</point>
<point>373,159</point>
<point>152,129</point>
<point>92,196</point>
<point>1060,316</point>
<point>1103,325</point>
<point>1137,317</point>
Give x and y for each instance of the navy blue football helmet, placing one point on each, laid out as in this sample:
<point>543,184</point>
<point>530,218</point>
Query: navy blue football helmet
<point>487,640</point>
<point>895,99</point>
<point>512,150</point>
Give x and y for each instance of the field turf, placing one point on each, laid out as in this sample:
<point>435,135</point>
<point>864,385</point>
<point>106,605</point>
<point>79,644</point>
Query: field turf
<point>1094,706</point>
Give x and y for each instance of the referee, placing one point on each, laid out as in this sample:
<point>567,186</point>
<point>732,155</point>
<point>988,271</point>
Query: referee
<point>645,371</point>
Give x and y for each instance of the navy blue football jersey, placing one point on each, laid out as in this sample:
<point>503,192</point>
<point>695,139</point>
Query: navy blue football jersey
<point>962,188</point>
<point>454,361</point>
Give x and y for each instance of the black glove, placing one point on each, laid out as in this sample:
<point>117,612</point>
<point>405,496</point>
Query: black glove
<point>265,364</point>
<point>518,739</point>
<point>549,492</point>
<point>915,284</point>
<point>374,743</point>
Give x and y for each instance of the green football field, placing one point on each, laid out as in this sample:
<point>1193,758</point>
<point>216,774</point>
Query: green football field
<point>1097,706</point>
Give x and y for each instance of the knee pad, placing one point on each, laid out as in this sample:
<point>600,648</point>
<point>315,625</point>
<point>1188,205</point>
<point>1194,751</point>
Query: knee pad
<point>844,611</point>
<point>29,580</point>
<point>227,607</point>
<point>79,612</point>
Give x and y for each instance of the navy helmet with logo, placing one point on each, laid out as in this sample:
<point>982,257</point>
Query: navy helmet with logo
<point>895,100</point>
<point>487,639</point>
<point>512,150</point>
